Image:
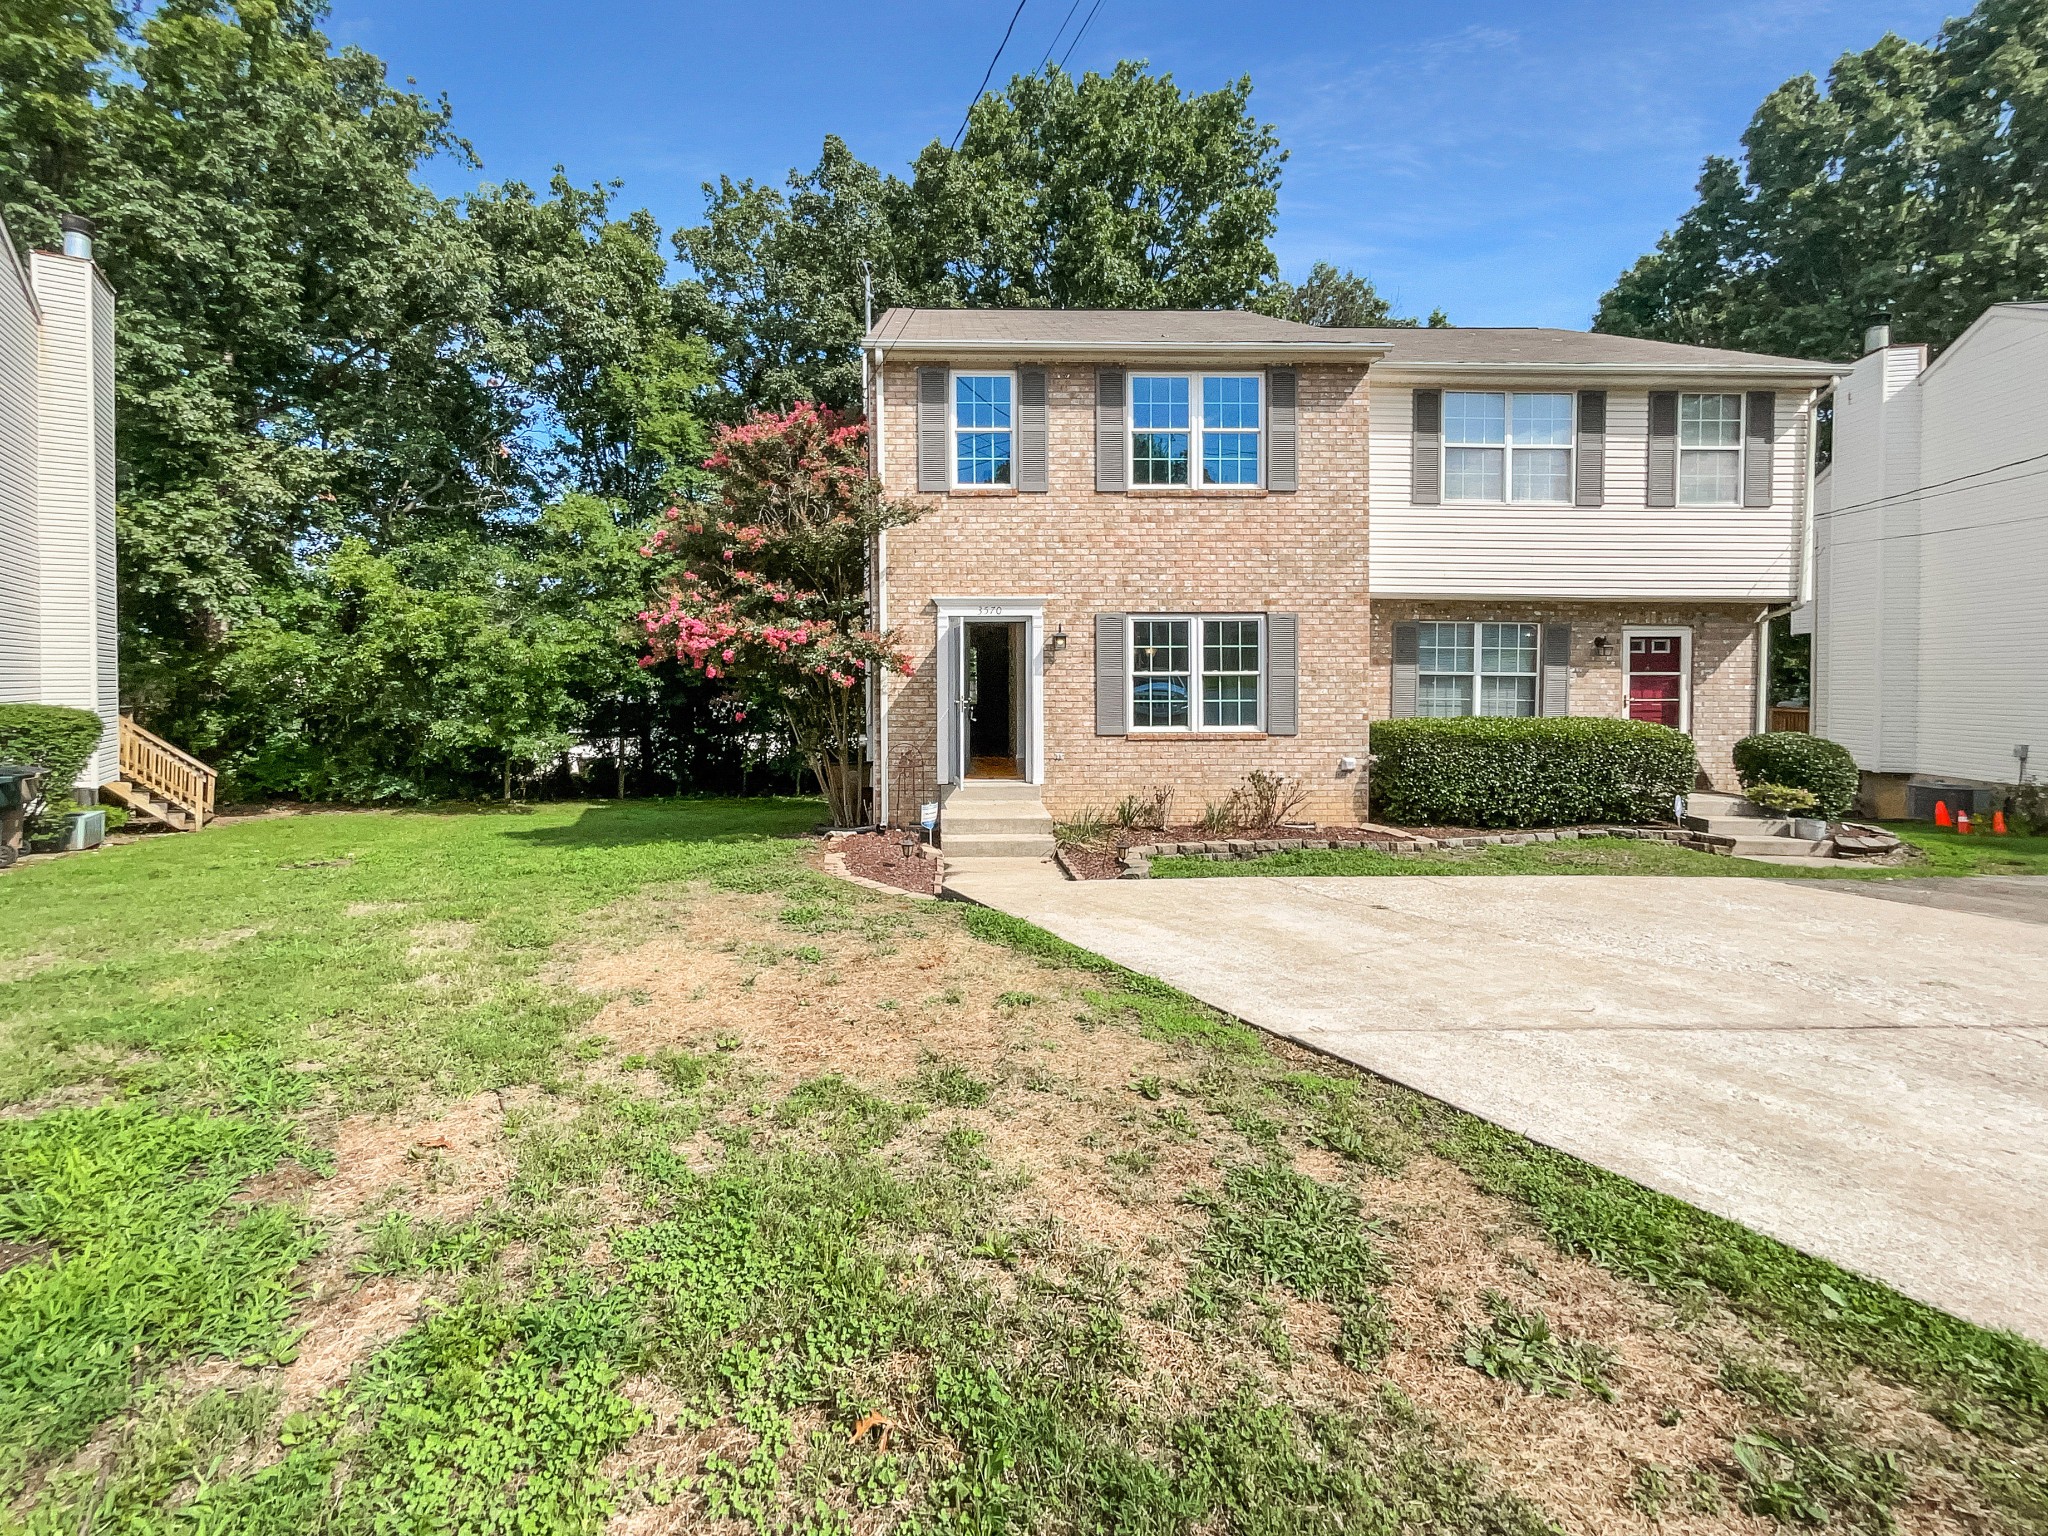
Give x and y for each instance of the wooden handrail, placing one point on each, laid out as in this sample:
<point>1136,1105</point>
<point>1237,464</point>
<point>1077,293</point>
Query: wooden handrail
<point>166,771</point>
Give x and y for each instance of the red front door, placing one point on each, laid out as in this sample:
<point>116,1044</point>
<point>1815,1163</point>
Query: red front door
<point>1656,679</point>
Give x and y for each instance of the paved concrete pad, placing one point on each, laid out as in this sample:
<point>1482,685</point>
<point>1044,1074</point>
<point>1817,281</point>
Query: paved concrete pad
<point>1866,1080</point>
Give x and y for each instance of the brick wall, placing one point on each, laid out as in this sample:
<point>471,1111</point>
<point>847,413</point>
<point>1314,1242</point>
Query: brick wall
<point>1724,658</point>
<point>1166,551</point>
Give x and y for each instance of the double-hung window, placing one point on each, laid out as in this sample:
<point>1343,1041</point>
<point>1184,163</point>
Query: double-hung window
<point>982,428</point>
<point>1507,447</point>
<point>1195,674</point>
<point>1709,450</point>
<point>1475,669</point>
<point>1189,429</point>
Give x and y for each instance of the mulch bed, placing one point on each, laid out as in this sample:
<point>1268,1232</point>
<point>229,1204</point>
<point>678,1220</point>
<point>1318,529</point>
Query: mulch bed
<point>879,856</point>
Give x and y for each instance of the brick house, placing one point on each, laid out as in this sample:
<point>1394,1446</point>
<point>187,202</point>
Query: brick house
<point>1169,548</point>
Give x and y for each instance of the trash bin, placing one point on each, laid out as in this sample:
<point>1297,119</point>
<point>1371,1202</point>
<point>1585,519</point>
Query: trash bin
<point>21,794</point>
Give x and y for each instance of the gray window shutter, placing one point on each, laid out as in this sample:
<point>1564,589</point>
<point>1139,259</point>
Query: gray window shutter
<point>1031,445</point>
<point>1112,676</point>
<point>1283,432</point>
<point>1557,670</point>
<point>1663,481</point>
<point>1591,489</point>
<point>1110,446</point>
<point>1426,482</point>
<point>1760,427</point>
<point>933,472</point>
<point>1283,674</point>
<point>1407,651</point>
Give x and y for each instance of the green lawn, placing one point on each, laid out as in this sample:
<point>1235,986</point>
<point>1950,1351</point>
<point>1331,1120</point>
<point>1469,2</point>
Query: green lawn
<point>817,1210</point>
<point>1944,853</point>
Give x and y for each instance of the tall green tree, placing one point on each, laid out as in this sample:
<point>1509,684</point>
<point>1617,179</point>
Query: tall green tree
<point>1330,297</point>
<point>1913,184</point>
<point>1109,191</point>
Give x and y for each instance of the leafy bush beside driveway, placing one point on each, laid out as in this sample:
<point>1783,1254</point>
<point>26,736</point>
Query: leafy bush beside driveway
<point>1527,773</point>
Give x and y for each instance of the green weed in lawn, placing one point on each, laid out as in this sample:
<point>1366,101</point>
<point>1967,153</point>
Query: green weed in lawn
<point>1519,1346</point>
<point>1273,1226</point>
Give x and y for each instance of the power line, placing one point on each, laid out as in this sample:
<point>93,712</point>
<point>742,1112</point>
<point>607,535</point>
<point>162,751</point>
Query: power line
<point>990,71</point>
<point>1928,533</point>
<point>1059,34</point>
<point>1922,490</point>
<point>1079,35</point>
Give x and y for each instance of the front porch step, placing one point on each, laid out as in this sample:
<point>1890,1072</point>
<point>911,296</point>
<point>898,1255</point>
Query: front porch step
<point>995,820</point>
<point>1740,826</point>
<point>1775,847</point>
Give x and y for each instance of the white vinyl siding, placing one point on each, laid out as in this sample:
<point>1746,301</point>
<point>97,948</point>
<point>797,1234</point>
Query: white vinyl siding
<point>75,480</point>
<point>20,614</point>
<point>1929,640</point>
<point>1622,548</point>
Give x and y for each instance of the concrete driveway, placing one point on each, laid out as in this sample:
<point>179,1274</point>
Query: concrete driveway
<point>1866,1080</point>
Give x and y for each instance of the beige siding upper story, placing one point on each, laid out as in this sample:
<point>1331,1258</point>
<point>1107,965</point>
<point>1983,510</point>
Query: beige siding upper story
<point>20,351</point>
<point>75,475</point>
<point>1622,548</point>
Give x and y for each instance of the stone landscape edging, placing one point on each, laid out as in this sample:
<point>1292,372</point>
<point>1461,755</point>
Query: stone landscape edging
<point>1137,860</point>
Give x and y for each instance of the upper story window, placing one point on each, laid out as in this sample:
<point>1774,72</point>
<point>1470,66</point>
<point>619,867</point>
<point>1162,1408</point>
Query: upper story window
<point>1507,447</point>
<point>1709,450</point>
<point>983,428</point>
<point>1170,437</point>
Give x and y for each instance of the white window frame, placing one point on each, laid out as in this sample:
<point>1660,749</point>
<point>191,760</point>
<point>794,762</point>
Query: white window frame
<point>954,430</point>
<point>1683,634</point>
<point>1740,450</point>
<point>1478,674</point>
<point>1196,674</point>
<point>1507,497</point>
<point>1197,472</point>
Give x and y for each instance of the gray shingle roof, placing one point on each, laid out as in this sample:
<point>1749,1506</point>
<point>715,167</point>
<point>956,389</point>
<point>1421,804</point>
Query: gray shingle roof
<point>1448,348</point>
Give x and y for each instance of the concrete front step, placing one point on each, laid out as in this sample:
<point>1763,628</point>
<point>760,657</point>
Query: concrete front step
<point>1774,847</point>
<point>984,790</point>
<point>996,845</point>
<point>1740,826</point>
<point>1008,819</point>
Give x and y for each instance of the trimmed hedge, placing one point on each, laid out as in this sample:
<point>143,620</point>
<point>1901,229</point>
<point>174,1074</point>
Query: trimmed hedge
<point>1811,763</point>
<point>51,735</point>
<point>1556,772</point>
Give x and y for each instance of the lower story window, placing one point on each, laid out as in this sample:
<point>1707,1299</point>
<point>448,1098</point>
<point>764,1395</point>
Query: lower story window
<point>1476,669</point>
<point>1190,673</point>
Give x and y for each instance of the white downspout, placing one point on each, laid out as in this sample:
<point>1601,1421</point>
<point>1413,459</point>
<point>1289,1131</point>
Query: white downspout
<point>874,400</point>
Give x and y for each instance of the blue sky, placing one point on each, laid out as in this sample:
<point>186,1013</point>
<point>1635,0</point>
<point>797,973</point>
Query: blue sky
<point>1504,161</point>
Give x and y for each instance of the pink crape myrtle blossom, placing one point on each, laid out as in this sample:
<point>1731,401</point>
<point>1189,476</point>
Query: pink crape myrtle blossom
<point>768,594</point>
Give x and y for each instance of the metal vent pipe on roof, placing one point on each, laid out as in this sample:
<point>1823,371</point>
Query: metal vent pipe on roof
<point>77,235</point>
<point>1879,334</point>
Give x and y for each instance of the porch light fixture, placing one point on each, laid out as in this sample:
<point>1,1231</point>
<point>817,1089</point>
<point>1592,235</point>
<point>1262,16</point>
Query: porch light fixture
<point>1600,646</point>
<point>1059,637</point>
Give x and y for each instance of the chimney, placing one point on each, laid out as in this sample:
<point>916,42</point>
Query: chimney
<point>77,236</point>
<point>1878,336</point>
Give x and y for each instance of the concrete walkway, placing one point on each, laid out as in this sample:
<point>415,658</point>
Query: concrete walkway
<point>1866,1080</point>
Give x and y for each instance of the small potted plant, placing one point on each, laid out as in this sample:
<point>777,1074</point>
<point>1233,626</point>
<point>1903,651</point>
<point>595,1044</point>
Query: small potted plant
<point>1797,805</point>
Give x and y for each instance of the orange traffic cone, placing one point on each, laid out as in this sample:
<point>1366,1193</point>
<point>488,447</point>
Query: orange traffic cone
<point>1998,823</point>
<point>1941,815</point>
<point>1963,823</point>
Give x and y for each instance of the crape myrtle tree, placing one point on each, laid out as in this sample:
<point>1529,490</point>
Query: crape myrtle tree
<point>1916,183</point>
<point>768,594</point>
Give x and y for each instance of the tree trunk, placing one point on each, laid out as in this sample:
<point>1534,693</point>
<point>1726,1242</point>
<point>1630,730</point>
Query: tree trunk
<point>508,781</point>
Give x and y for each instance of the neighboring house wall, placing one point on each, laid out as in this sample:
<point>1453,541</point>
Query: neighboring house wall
<point>20,360</point>
<point>58,640</point>
<point>1087,552</point>
<point>1932,561</point>
<point>1622,548</point>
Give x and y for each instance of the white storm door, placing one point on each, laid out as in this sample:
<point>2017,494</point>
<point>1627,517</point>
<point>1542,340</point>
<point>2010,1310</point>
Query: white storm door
<point>953,702</point>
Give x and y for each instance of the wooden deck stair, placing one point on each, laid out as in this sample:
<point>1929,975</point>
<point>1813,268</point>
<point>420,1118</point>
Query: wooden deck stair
<point>161,782</point>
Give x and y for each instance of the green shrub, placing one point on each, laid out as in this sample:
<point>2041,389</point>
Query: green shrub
<point>51,735</point>
<point>1527,773</point>
<point>1783,799</point>
<point>1811,763</point>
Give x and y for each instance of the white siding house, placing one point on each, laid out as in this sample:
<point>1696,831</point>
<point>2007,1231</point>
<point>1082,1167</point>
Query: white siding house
<point>58,639</point>
<point>1930,617</point>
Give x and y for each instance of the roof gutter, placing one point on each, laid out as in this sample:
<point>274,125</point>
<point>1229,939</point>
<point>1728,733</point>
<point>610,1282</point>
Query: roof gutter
<point>944,351</point>
<point>1801,373</point>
